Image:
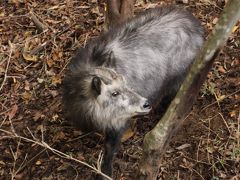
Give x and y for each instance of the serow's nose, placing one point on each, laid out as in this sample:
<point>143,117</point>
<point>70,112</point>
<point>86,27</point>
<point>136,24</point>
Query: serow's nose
<point>146,105</point>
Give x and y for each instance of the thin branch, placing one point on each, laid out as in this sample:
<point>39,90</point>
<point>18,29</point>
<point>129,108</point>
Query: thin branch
<point>229,95</point>
<point>55,151</point>
<point>12,17</point>
<point>37,22</point>
<point>238,130</point>
<point>43,45</point>
<point>225,123</point>
<point>8,62</point>
<point>15,157</point>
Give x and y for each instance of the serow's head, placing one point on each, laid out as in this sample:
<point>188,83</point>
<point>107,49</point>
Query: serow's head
<point>115,102</point>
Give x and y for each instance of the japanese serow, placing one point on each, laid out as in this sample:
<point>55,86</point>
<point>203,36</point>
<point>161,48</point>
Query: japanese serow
<point>125,70</point>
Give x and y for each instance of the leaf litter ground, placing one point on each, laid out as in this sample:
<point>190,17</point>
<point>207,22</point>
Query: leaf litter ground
<point>33,58</point>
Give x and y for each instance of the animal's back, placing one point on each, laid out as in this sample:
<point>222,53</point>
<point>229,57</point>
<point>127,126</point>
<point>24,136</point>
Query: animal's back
<point>153,51</point>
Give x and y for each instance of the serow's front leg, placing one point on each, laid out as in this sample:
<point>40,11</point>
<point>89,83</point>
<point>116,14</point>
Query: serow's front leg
<point>112,140</point>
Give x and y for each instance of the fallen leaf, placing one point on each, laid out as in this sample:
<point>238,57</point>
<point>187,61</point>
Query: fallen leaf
<point>40,80</point>
<point>215,20</point>
<point>27,86</point>
<point>50,62</point>
<point>237,135</point>
<point>17,53</point>
<point>128,134</point>
<point>37,115</point>
<point>53,93</point>
<point>38,162</point>
<point>69,3</point>
<point>27,96</point>
<point>50,72</point>
<point>234,29</point>
<point>209,25</point>
<point>27,34</point>
<point>221,69</point>
<point>56,80</point>
<point>53,7</point>
<point>59,136</point>
<point>55,117</point>
<point>96,11</point>
<point>235,62</point>
<point>63,167</point>
<point>60,54</point>
<point>29,57</point>
<point>151,5</point>
<point>13,111</point>
<point>51,21</point>
<point>48,177</point>
<point>220,98</point>
<point>80,157</point>
<point>19,176</point>
<point>122,178</point>
<point>41,128</point>
<point>210,150</point>
<point>55,56</point>
<point>233,113</point>
<point>26,55</point>
<point>2,14</point>
<point>222,175</point>
<point>2,70</point>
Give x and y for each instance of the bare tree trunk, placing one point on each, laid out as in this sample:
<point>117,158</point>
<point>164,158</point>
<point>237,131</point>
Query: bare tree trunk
<point>157,140</point>
<point>118,11</point>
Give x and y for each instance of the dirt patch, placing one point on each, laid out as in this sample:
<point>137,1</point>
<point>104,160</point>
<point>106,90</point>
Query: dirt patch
<point>206,147</point>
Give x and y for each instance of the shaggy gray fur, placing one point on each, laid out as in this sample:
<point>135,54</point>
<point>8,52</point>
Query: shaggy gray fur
<point>153,51</point>
<point>147,57</point>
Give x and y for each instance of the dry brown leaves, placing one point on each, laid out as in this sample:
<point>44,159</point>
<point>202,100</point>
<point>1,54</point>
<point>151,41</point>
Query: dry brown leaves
<point>43,37</point>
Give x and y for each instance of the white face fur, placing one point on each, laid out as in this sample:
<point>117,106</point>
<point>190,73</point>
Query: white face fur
<point>116,104</point>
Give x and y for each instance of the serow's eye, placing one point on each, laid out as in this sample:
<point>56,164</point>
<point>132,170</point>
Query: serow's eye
<point>115,93</point>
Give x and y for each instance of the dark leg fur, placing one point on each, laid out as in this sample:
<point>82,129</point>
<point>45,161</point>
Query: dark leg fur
<point>112,140</point>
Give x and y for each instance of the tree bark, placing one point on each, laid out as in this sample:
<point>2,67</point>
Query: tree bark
<point>157,140</point>
<point>118,11</point>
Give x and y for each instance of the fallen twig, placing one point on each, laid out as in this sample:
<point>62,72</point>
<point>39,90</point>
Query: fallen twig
<point>39,48</point>
<point>55,151</point>
<point>8,62</point>
<point>36,21</point>
<point>43,45</point>
<point>219,100</point>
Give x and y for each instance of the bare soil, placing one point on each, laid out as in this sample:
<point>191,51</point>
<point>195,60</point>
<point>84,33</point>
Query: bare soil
<point>32,65</point>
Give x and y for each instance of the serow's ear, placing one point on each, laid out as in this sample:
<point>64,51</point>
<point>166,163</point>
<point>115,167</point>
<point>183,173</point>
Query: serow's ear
<point>96,84</point>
